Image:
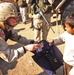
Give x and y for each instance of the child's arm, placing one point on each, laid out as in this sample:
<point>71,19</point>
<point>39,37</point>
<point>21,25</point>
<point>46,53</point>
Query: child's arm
<point>59,39</point>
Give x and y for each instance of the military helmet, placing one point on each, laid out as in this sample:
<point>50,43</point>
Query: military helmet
<point>7,10</point>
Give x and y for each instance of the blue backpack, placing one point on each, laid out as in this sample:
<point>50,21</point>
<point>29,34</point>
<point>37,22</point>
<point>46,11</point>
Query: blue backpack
<point>48,57</point>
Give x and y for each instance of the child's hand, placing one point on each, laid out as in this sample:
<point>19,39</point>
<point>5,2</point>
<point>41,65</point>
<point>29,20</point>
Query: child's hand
<point>51,41</point>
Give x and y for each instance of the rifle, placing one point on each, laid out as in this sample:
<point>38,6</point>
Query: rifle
<point>41,12</point>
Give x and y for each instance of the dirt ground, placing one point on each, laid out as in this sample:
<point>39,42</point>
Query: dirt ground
<point>25,65</point>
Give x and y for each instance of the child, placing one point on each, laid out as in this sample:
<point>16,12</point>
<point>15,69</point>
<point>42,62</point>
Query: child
<point>68,38</point>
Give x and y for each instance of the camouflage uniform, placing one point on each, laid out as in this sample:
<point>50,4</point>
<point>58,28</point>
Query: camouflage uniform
<point>8,10</point>
<point>40,22</point>
<point>45,27</point>
<point>11,54</point>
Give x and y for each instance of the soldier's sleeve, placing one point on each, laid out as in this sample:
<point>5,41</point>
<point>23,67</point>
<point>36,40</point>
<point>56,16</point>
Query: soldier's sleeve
<point>19,38</point>
<point>8,54</point>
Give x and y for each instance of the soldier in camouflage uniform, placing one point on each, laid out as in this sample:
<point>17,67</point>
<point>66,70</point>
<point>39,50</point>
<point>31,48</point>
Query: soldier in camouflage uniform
<point>8,18</point>
<point>39,22</point>
<point>45,27</point>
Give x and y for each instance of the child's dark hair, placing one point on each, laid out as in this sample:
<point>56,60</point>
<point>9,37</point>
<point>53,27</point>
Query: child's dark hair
<point>70,20</point>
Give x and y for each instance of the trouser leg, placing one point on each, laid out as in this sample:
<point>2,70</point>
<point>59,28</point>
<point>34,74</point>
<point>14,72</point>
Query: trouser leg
<point>36,35</point>
<point>67,68</point>
<point>45,30</point>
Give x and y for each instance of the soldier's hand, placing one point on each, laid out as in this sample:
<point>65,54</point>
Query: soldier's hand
<point>32,47</point>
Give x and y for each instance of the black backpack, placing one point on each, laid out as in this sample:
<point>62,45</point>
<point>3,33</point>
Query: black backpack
<point>48,57</point>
